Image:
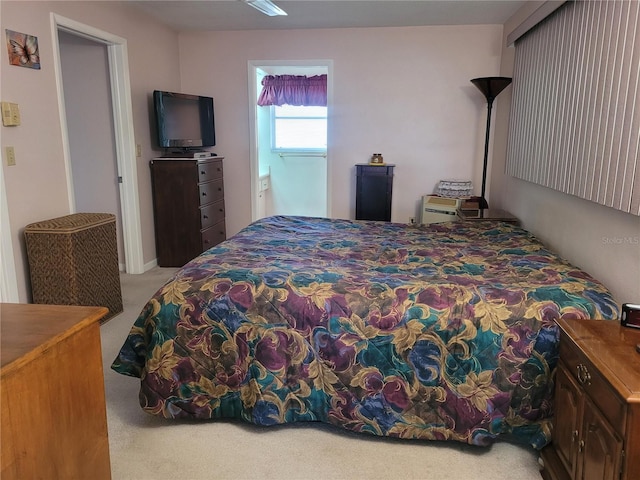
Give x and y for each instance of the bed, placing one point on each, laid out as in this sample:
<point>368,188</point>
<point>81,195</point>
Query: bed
<point>436,332</point>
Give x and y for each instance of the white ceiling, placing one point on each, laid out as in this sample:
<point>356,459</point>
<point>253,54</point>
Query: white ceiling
<point>192,15</point>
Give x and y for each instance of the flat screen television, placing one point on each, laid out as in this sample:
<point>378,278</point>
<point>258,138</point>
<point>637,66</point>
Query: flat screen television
<point>184,122</point>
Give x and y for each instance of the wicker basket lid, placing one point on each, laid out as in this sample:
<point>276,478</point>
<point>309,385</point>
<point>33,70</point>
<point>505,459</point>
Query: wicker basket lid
<point>70,223</point>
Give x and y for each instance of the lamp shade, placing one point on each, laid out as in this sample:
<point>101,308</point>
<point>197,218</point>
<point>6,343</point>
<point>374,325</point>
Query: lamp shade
<point>491,86</point>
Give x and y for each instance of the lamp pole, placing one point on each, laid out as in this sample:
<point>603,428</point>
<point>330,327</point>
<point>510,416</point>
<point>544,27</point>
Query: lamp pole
<point>491,88</point>
<point>483,200</point>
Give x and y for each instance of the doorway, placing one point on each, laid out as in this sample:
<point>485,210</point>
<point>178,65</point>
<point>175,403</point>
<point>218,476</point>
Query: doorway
<point>122,139</point>
<point>94,170</point>
<point>286,183</point>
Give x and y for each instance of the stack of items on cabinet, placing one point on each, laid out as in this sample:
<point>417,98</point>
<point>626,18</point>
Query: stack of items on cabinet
<point>455,189</point>
<point>451,196</point>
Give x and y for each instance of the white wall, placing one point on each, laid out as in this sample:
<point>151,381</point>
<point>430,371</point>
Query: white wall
<point>405,92</point>
<point>36,187</point>
<point>600,240</point>
<point>298,186</point>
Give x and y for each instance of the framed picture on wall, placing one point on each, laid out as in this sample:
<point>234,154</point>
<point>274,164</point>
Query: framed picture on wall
<point>23,49</point>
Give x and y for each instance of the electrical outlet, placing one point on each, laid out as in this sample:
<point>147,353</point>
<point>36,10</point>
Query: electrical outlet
<point>11,156</point>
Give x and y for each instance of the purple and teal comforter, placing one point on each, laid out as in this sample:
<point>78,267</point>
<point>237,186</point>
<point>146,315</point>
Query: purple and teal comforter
<point>439,332</point>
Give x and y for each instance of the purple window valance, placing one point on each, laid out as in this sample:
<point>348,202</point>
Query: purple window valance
<point>295,90</point>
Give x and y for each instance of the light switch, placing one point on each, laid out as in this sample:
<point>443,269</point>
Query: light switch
<point>10,114</point>
<point>138,150</point>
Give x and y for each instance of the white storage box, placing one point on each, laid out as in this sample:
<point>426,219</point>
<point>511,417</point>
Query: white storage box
<point>439,209</point>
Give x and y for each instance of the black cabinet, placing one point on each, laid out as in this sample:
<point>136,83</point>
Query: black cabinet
<point>374,184</point>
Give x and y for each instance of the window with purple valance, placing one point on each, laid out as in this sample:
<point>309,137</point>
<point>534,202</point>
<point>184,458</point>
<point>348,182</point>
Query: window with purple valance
<point>296,90</point>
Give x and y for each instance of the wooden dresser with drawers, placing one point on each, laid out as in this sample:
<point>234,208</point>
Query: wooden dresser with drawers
<point>53,415</point>
<point>188,207</point>
<point>596,431</point>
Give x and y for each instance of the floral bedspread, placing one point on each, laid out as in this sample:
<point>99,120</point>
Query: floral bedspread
<point>439,332</point>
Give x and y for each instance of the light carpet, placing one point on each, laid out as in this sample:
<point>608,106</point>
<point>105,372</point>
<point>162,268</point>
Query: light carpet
<point>143,446</point>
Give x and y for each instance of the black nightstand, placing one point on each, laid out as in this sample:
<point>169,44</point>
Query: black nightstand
<point>374,185</point>
<point>487,214</point>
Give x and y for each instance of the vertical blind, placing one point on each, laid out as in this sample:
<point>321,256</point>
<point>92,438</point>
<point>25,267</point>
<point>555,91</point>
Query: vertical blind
<point>575,113</point>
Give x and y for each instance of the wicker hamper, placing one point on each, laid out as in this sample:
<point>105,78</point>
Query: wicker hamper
<point>73,260</point>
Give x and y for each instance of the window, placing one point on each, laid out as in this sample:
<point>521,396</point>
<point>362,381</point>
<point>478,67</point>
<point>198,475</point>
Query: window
<point>298,128</point>
<point>574,123</point>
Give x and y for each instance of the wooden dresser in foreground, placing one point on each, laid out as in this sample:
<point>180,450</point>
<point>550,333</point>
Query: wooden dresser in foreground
<point>53,412</point>
<point>596,434</point>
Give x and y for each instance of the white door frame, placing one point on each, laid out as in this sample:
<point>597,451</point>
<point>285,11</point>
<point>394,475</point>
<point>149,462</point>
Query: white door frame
<point>254,65</point>
<point>123,128</point>
<point>9,280</point>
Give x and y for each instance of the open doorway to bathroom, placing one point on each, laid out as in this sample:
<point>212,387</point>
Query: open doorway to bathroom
<point>286,182</point>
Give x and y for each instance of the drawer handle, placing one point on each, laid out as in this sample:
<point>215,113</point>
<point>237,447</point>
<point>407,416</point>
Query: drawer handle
<point>574,436</point>
<point>202,172</point>
<point>584,377</point>
<point>205,217</point>
<point>219,189</point>
<point>204,194</point>
<point>581,446</point>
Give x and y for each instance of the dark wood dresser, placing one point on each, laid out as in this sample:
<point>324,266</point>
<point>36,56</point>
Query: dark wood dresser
<point>596,434</point>
<point>188,207</point>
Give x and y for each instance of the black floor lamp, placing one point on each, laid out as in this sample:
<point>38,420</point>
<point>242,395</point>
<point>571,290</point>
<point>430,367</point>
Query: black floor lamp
<point>491,88</point>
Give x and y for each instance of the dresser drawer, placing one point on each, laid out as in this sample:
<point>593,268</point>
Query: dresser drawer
<point>211,214</point>
<point>211,191</point>
<point>209,171</point>
<point>212,236</point>
<point>593,383</point>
